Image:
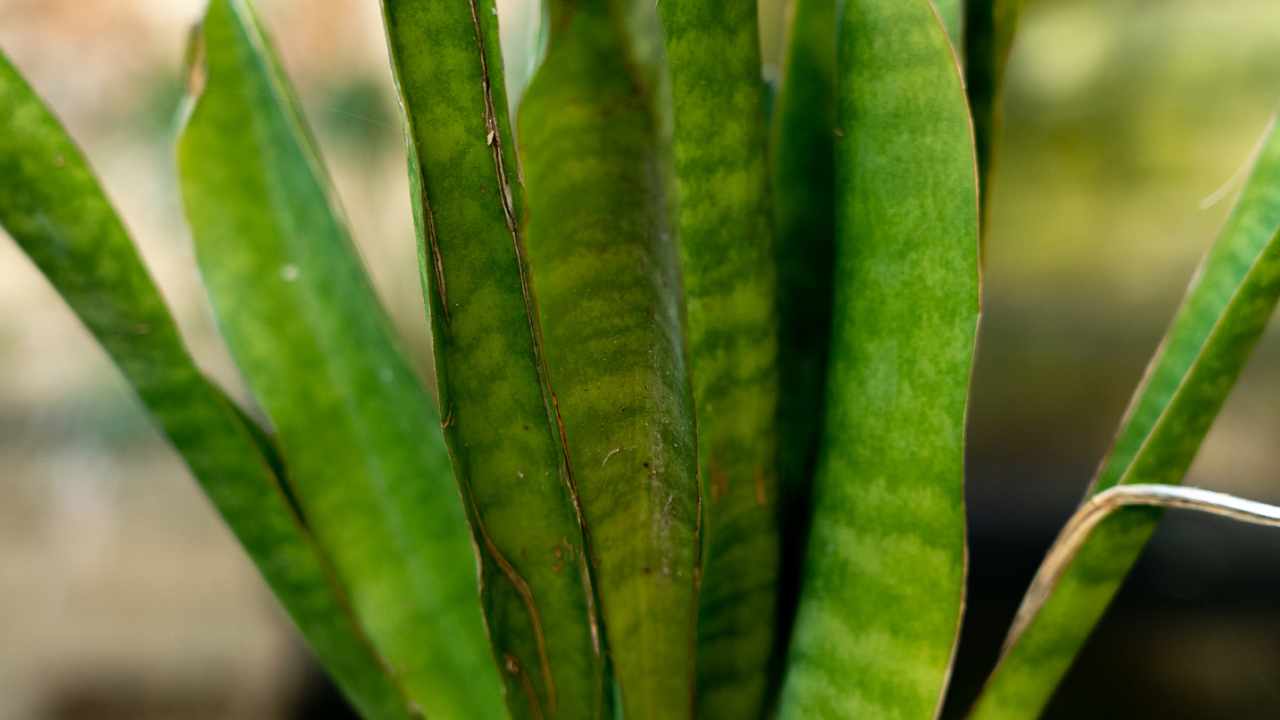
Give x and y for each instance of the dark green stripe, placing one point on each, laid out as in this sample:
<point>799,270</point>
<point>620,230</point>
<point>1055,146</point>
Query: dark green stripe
<point>884,579</point>
<point>803,156</point>
<point>606,279</point>
<point>501,429</point>
<point>726,244</point>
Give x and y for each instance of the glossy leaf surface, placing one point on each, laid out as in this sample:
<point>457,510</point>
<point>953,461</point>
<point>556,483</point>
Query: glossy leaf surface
<point>357,431</point>
<point>52,205</point>
<point>605,274</point>
<point>1223,315</point>
<point>884,580</point>
<point>491,378</point>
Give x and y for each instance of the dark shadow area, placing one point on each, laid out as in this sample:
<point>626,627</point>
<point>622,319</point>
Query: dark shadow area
<point>319,699</point>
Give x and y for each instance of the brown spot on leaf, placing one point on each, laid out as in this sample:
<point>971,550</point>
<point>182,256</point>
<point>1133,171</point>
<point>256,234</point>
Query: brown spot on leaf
<point>719,483</point>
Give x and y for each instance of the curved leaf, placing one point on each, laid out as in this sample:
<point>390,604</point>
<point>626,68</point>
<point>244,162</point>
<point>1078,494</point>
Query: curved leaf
<point>490,372</point>
<point>1104,520</point>
<point>884,582</point>
<point>356,429</point>
<point>606,276</point>
<point>1225,312</point>
<point>53,206</point>
<point>726,248</point>
<point>1106,509</point>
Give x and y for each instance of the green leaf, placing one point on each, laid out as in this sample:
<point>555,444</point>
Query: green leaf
<point>803,157</point>
<point>490,372</point>
<point>1212,336</point>
<point>952,14</point>
<point>53,206</point>
<point>990,26</point>
<point>726,247</point>
<point>1118,512</point>
<point>605,273</point>
<point>883,588</point>
<point>1105,521</point>
<point>356,429</point>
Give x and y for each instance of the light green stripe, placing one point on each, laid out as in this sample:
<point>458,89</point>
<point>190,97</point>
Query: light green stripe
<point>606,278</point>
<point>883,586</point>
<point>357,431</point>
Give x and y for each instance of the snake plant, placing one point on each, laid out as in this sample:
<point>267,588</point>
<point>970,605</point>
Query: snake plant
<point>702,360</point>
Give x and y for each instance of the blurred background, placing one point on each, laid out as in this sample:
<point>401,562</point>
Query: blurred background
<point>1128,121</point>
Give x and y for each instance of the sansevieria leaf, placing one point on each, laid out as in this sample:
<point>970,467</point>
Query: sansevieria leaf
<point>501,423</point>
<point>605,270</point>
<point>884,579</point>
<point>357,431</point>
<point>726,248</point>
<point>1110,514</point>
<point>1113,503</point>
<point>53,206</point>
<point>1224,313</point>
<point>803,169</point>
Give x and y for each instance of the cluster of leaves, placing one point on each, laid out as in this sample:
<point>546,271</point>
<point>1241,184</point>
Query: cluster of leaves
<point>702,367</point>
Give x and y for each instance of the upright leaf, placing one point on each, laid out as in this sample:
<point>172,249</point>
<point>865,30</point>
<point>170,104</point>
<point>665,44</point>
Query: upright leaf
<point>989,27</point>
<point>803,157</point>
<point>1223,315</point>
<point>884,582</point>
<point>490,371</point>
<point>356,429</point>
<point>53,206</point>
<point>726,248</point>
<point>606,276</point>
